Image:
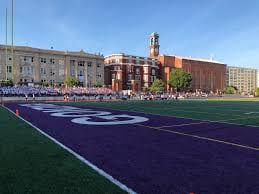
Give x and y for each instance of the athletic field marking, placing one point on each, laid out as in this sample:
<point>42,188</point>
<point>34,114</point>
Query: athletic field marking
<point>81,158</point>
<point>184,124</point>
<point>199,112</point>
<point>179,125</point>
<point>239,118</point>
<point>249,113</point>
<point>211,121</point>
<point>203,138</point>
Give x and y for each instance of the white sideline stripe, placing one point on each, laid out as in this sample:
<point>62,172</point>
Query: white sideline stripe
<point>82,159</point>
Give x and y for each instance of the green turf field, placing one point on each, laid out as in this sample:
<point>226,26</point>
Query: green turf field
<point>30,163</point>
<point>230,111</point>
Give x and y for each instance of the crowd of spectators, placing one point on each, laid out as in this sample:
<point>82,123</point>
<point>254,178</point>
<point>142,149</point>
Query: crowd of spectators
<point>86,91</point>
<point>83,93</point>
<point>174,95</point>
<point>52,91</point>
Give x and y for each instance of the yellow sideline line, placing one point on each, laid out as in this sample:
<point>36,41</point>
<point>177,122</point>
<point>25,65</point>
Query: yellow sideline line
<point>179,125</point>
<point>184,124</point>
<point>203,138</point>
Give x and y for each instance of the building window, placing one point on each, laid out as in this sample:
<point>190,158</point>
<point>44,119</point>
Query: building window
<point>99,65</point>
<point>130,77</point>
<point>42,71</point>
<point>81,63</point>
<point>138,77</point>
<point>52,71</point>
<point>153,78</point>
<point>89,64</point>
<point>43,60</point>
<point>52,61</point>
<point>81,73</point>
<point>9,69</point>
<point>20,69</point>
<point>129,68</point>
<point>137,71</point>
<point>153,72</point>
<point>113,76</point>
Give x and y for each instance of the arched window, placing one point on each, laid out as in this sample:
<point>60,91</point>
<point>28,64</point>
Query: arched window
<point>152,41</point>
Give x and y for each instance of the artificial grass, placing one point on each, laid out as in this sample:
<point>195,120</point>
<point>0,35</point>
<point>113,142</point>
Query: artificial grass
<point>222,111</point>
<point>31,163</point>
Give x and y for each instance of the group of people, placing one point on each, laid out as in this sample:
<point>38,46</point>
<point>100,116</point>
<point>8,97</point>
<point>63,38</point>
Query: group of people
<point>173,96</point>
<point>28,90</point>
<point>86,91</point>
<point>52,91</point>
<point>83,93</point>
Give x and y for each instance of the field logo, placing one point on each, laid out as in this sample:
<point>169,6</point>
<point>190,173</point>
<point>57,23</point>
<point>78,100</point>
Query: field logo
<point>86,116</point>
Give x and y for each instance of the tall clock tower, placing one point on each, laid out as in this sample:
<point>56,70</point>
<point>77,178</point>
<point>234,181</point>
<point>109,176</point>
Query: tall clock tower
<point>154,45</point>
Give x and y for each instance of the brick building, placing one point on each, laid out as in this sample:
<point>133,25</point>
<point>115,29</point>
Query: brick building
<point>207,75</point>
<point>127,72</point>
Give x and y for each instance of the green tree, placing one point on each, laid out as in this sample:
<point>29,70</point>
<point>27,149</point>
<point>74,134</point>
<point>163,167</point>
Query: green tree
<point>157,86</point>
<point>6,83</point>
<point>230,90</point>
<point>257,92</point>
<point>180,79</point>
<point>98,85</point>
<point>71,81</point>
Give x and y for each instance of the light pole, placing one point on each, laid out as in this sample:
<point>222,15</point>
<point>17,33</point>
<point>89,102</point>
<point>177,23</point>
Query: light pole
<point>12,50</point>
<point>6,42</point>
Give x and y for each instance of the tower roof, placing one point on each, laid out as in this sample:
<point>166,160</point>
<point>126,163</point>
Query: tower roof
<point>154,34</point>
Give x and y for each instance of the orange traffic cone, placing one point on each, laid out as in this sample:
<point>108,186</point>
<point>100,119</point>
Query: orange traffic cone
<point>17,113</point>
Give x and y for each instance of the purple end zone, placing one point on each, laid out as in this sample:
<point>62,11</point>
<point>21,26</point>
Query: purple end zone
<point>152,161</point>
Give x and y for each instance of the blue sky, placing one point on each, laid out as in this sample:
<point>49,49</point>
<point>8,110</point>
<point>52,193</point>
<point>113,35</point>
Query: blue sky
<point>228,29</point>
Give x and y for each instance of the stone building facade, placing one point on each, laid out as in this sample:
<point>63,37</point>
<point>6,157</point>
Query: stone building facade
<point>128,72</point>
<point>33,65</point>
<point>244,79</point>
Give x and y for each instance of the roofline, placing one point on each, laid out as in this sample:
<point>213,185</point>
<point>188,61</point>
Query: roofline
<point>128,55</point>
<point>195,59</point>
<point>53,52</point>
